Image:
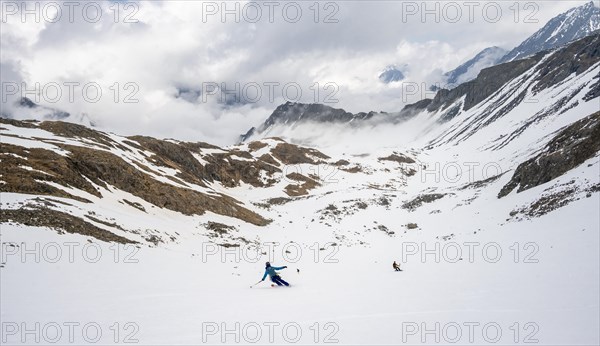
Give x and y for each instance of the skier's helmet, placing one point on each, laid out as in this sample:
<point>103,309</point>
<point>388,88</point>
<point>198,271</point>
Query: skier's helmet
<point>267,264</point>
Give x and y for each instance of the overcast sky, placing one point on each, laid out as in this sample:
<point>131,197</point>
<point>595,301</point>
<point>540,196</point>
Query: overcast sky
<point>169,55</point>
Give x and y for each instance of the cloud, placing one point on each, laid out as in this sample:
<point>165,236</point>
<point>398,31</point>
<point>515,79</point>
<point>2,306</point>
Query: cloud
<point>171,49</point>
<point>10,71</point>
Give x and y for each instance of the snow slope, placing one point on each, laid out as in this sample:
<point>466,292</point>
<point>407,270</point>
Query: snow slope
<point>191,291</point>
<point>171,293</point>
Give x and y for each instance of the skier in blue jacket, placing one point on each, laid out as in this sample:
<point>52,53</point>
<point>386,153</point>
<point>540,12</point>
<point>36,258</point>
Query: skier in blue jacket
<point>271,271</point>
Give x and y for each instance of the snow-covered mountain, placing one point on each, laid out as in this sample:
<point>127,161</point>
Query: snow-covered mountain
<point>544,71</point>
<point>391,73</point>
<point>510,112</point>
<point>470,69</point>
<point>507,114</point>
<point>576,23</point>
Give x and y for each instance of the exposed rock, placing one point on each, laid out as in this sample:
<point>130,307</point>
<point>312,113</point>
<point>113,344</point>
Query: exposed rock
<point>361,205</point>
<point>554,198</point>
<point>218,228</point>
<point>384,201</point>
<point>576,58</point>
<point>269,159</point>
<point>106,223</point>
<point>44,217</point>
<point>341,163</point>
<point>256,145</point>
<point>302,189</point>
<point>353,169</point>
<point>222,167</point>
<point>291,154</point>
<point>481,183</point>
<point>421,199</point>
<point>135,205</point>
<point>154,239</point>
<point>228,245</point>
<point>70,130</point>
<point>32,170</point>
<point>384,229</point>
<point>414,108</point>
<point>292,113</point>
<point>594,90</point>
<point>397,157</point>
<point>567,150</point>
<point>29,124</point>
<point>105,168</point>
<point>278,200</point>
<point>85,165</point>
<point>487,82</point>
<point>47,166</point>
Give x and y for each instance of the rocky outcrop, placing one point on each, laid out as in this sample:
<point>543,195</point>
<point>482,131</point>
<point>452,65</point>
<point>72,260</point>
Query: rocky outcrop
<point>292,113</point>
<point>70,130</point>
<point>302,187</point>
<point>422,199</point>
<point>222,165</point>
<point>397,157</point>
<point>554,198</point>
<point>574,58</point>
<point>29,171</point>
<point>44,172</point>
<point>290,154</point>
<point>85,166</point>
<point>567,150</point>
<point>487,83</point>
<point>59,221</point>
<point>165,173</point>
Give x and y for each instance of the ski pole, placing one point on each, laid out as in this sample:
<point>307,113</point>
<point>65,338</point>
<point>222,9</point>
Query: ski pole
<point>256,284</point>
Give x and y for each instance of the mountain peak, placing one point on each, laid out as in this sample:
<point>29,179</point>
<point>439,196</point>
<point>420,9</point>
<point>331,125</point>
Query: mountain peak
<point>294,113</point>
<point>571,25</point>
<point>587,6</point>
<point>391,73</point>
<point>470,69</point>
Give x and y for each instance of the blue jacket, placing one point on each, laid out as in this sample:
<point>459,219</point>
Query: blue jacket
<point>271,271</point>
